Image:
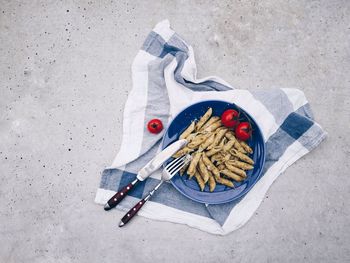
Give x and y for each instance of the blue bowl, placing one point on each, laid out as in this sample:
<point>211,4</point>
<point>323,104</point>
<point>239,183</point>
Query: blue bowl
<point>221,194</point>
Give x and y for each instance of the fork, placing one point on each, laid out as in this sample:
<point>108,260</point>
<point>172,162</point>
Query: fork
<point>168,172</point>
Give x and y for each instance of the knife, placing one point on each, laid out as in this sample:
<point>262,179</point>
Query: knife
<point>146,171</point>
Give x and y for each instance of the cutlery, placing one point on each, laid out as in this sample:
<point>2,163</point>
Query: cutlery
<point>146,171</point>
<point>168,172</point>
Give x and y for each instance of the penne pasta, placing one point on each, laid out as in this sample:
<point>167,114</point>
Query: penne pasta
<point>209,122</point>
<point>182,152</point>
<point>203,171</point>
<point>231,175</point>
<point>238,146</point>
<point>216,176</point>
<point>188,131</point>
<point>216,157</point>
<point>211,182</point>
<point>223,181</point>
<point>213,126</point>
<point>193,164</point>
<point>221,166</point>
<point>241,165</point>
<point>236,170</point>
<point>207,142</point>
<point>242,156</point>
<point>183,169</point>
<point>210,165</point>
<point>228,145</point>
<point>213,151</point>
<point>204,119</point>
<point>223,142</point>
<point>219,135</point>
<point>246,147</point>
<point>234,158</point>
<point>226,182</point>
<point>226,157</point>
<point>198,140</point>
<point>217,163</point>
<point>200,180</point>
<point>229,135</point>
<point>190,137</point>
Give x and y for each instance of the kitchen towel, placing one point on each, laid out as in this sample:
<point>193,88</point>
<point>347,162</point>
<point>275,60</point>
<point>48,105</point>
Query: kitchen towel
<point>164,83</point>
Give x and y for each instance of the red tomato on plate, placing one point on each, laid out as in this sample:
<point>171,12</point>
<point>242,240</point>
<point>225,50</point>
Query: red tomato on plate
<point>243,131</point>
<point>230,118</point>
<point>155,126</point>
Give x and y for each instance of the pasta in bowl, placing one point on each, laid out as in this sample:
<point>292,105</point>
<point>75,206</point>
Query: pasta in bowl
<point>223,168</point>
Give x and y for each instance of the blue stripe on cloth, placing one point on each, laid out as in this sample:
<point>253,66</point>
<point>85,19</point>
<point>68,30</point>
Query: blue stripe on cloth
<point>307,139</point>
<point>126,178</point>
<point>177,42</point>
<point>110,179</point>
<point>168,49</point>
<point>154,44</point>
<point>296,125</point>
<point>276,146</point>
<point>174,45</point>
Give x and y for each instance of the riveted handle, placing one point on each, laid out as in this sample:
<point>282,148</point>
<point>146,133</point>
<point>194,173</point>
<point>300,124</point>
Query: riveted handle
<point>132,212</point>
<point>119,196</point>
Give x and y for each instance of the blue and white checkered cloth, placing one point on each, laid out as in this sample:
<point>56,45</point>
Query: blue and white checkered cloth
<point>164,82</point>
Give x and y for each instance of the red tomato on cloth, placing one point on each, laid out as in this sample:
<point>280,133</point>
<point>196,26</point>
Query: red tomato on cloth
<point>155,126</point>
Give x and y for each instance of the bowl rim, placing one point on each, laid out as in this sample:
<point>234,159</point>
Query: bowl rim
<point>246,190</point>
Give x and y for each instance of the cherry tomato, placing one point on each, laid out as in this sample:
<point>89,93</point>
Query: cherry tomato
<point>230,118</point>
<point>243,131</point>
<point>155,126</point>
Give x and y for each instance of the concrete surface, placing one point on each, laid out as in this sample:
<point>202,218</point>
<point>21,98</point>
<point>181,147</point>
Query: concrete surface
<point>65,76</point>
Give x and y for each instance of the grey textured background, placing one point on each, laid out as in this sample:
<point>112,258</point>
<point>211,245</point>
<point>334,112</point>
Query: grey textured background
<point>65,76</point>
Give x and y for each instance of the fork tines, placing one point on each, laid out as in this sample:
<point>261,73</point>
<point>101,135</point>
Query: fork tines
<point>175,165</point>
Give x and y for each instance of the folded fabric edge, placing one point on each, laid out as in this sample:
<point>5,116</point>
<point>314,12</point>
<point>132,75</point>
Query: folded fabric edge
<point>296,97</point>
<point>163,29</point>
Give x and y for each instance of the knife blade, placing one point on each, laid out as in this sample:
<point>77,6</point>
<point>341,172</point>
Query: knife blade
<point>146,171</point>
<point>160,158</point>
